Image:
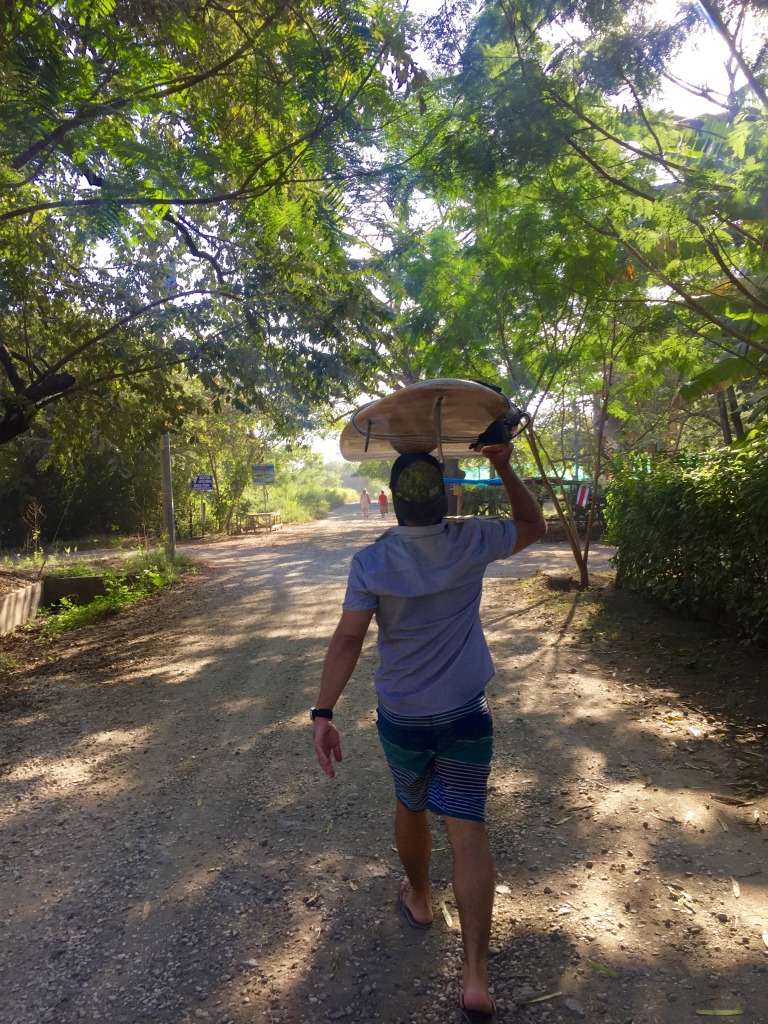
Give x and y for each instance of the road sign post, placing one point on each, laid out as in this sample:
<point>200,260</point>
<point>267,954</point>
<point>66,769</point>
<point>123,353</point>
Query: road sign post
<point>202,482</point>
<point>261,475</point>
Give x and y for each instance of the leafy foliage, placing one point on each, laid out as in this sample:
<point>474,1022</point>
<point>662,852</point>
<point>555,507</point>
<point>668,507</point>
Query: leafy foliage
<point>140,577</point>
<point>567,198</point>
<point>693,531</point>
<point>171,195</point>
<point>304,490</point>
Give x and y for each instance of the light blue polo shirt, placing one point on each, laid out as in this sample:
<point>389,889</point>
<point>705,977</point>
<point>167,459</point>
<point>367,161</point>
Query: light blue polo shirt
<point>425,583</point>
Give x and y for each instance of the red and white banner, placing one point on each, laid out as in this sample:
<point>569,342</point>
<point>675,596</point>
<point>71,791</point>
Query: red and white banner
<point>582,495</point>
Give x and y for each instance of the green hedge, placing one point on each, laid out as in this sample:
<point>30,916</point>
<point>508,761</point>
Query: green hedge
<point>693,531</point>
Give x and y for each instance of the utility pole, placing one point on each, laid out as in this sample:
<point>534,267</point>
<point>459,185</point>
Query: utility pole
<point>169,524</point>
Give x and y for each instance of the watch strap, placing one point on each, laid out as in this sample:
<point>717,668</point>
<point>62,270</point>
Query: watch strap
<point>320,713</point>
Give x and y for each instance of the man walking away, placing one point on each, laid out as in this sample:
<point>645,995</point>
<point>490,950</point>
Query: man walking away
<point>423,581</point>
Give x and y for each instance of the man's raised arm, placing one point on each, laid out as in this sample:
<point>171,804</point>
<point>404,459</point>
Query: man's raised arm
<point>526,511</point>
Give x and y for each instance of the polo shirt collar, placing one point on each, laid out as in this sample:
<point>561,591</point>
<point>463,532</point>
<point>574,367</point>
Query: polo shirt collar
<point>415,532</point>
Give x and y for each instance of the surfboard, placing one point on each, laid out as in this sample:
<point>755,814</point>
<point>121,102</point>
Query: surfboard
<point>444,417</point>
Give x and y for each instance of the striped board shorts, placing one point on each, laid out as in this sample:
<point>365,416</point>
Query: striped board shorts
<point>441,762</point>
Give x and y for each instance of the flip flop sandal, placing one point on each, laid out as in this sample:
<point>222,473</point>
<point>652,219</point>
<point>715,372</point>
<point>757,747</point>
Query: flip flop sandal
<point>477,1016</point>
<point>420,925</point>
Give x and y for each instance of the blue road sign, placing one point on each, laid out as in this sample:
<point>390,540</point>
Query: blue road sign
<point>202,483</point>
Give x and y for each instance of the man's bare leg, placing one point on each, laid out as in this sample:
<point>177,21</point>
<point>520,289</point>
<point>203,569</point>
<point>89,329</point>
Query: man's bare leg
<point>413,837</point>
<point>473,887</point>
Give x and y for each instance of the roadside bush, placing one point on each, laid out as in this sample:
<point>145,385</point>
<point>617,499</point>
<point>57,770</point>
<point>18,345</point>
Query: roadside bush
<point>480,500</point>
<point>307,492</point>
<point>139,577</point>
<point>693,531</point>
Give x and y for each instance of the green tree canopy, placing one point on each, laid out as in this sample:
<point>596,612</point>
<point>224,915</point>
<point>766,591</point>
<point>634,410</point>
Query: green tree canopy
<point>172,187</point>
<point>566,195</point>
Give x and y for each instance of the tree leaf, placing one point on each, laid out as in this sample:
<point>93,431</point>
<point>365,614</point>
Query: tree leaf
<point>610,972</point>
<point>720,1013</point>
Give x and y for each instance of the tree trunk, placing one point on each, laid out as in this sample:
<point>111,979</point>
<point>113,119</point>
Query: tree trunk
<point>725,424</point>
<point>566,519</point>
<point>733,406</point>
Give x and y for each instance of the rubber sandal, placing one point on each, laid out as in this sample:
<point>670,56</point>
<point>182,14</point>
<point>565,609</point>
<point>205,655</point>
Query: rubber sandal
<point>477,1016</point>
<point>422,926</point>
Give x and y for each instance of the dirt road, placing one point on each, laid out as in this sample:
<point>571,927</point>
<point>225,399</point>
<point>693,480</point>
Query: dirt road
<point>170,851</point>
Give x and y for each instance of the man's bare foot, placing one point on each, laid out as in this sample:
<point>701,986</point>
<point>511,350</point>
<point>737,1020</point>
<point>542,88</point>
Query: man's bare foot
<point>478,1006</point>
<point>417,910</point>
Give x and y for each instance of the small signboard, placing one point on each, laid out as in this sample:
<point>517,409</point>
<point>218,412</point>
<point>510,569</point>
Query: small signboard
<point>202,483</point>
<point>263,474</point>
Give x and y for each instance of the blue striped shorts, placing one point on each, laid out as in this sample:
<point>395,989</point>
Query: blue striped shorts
<point>441,762</point>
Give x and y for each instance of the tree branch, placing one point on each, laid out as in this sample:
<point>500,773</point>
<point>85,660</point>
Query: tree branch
<point>714,15</point>
<point>179,225</point>
<point>676,288</point>
<point>18,384</point>
<point>129,318</point>
<point>96,110</point>
<point>610,177</point>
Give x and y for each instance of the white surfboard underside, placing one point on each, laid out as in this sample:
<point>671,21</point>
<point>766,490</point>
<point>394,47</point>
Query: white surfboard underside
<point>437,416</point>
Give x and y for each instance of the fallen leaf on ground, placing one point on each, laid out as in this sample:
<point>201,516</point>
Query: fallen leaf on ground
<point>734,801</point>
<point>722,824</point>
<point>679,894</point>
<point>720,1013</point>
<point>543,999</point>
<point>611,972</point>
<point>446,914</point>
<point>145,910</point>
<point>736,888</point>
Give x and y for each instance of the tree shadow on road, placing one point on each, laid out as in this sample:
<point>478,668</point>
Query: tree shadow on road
<point>172,849</point>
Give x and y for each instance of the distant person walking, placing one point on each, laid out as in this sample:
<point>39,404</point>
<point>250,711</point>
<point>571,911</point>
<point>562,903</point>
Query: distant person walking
<point>365,502</point>
<point>383,505</point>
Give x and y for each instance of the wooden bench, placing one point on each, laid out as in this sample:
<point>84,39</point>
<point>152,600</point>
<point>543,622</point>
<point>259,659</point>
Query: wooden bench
<point>254,522</point>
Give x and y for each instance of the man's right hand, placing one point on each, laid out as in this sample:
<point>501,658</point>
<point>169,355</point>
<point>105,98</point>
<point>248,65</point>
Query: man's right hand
<point>327,742</point>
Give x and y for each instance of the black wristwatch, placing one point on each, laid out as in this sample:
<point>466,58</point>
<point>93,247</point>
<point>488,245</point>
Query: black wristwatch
<point>320,713</point>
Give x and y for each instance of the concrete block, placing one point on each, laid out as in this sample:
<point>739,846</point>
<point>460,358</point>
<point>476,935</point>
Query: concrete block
<point>80,589</point>
<point>20,606</point>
